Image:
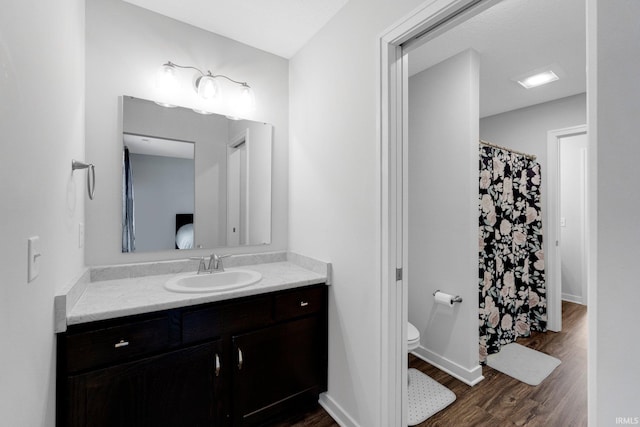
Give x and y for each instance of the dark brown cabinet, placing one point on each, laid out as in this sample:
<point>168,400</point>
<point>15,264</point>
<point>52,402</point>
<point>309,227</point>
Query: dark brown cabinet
<point>232,363</point>
<point>280,364</point>
<point>176,388</point>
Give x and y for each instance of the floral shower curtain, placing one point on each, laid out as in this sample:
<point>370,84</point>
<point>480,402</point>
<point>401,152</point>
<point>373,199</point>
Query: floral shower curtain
<point>511,275</point>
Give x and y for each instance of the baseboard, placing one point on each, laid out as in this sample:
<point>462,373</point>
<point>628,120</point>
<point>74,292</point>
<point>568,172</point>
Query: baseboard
<point>573,298</point>
<point>470,377</point>
<point>337,413</point>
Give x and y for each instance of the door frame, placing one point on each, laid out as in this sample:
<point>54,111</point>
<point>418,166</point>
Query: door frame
<point>554,259</point>
<point>424,23</point>
<point>391,107</point>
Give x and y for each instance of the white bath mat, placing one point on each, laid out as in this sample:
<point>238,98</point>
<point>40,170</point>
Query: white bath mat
<point>523,363</point>
<point>426,397</point>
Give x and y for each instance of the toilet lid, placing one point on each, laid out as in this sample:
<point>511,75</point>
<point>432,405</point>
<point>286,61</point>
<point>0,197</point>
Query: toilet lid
<point>412,332</point>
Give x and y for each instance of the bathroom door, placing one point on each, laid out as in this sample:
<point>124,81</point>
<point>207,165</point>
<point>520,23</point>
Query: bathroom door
<point>236,194</point>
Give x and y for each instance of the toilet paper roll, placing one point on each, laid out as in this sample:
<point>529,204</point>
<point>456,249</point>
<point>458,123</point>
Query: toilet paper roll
<point>444,299</point>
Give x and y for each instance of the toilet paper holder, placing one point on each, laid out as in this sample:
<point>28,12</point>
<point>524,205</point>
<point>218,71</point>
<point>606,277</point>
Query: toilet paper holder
<point>457,298</point>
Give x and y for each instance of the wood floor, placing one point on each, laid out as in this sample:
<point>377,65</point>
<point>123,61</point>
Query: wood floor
<point>499,400</point>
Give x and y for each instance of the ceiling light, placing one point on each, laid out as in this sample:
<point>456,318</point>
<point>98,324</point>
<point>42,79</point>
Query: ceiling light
<point>538,79</point>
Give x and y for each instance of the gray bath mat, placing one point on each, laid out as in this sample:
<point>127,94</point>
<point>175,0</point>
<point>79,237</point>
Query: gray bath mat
<point>426,397</point>
<point>523,363</point>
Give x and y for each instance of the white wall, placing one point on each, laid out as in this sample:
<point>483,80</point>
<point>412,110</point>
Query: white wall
<point>42,128</point>
<point>526,130</point>
<point>573,216</point>
<point>125,47</point>
<point>443,211</point>
<point>335,191</point>
<point>616,102</point>
<point>159,189</point>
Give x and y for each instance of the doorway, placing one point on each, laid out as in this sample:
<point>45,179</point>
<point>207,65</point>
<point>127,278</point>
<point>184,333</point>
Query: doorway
<point>424,24</point>
<point>568,259</point>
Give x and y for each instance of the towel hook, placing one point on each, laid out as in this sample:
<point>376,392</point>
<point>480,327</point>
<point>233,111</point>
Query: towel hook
<point>91,175</point>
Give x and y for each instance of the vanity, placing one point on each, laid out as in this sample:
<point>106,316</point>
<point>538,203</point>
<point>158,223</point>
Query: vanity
<point>135,354</point>
<point>132,349</point>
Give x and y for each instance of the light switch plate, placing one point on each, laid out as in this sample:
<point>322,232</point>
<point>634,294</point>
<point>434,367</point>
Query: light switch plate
<point>34,257</point>
<point>563,222</point>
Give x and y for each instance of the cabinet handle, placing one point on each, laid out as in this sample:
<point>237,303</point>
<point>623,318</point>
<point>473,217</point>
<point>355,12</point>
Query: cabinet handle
<point>304,303</point>
<point>122,343</point>
<point>217,365</point>
<point>239,359</point>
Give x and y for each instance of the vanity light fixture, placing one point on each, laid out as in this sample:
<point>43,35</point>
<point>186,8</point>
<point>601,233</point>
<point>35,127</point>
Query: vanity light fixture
<point>538,79</point>
<point>206,84</point>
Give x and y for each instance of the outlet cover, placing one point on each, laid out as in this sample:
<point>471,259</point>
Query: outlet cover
<point>34,257</point>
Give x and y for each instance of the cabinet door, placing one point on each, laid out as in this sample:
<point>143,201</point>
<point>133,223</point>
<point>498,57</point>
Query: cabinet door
<point>278,367</point>
<point>173,389</point>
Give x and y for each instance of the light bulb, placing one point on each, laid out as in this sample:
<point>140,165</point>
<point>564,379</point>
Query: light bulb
<point>208,87</point>
<point>166,77</point>
<point>247,100</point>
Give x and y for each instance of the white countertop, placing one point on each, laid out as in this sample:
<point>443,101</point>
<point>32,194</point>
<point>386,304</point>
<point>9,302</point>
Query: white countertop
<point>123,297</point>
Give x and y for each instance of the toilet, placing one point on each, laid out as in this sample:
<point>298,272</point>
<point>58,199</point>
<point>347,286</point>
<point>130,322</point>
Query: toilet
<point>413,337</point>
<point>425,396</point>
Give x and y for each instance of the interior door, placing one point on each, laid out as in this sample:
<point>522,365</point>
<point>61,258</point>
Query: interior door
<point>573,217</point>
<point>237,209</point>
<point>233,197</point>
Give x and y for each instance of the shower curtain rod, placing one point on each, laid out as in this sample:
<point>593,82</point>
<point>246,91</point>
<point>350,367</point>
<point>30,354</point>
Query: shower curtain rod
<point>491,144</point>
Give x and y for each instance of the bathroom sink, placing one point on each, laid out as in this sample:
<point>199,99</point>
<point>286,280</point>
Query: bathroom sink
<point>215,282</point>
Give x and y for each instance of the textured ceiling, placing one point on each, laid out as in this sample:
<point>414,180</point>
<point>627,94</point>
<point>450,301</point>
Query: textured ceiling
<point>513,38</point>
<point>280,27</point>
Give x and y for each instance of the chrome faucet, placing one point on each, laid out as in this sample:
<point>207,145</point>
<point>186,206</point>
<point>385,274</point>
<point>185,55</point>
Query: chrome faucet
<point>215,262</point>
<point>214,265</point>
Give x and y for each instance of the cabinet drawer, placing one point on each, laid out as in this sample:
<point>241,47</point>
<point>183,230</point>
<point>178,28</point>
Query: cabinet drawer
<point>104,346</point>
<point>298,303</point>
<point>211,322</point>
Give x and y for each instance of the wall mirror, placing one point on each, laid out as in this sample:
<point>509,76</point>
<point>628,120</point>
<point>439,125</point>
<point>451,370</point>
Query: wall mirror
<point>192,180</point>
